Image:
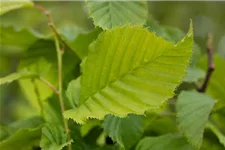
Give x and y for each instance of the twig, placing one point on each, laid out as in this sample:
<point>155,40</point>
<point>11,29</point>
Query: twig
<point>211,65</point>
<point>59,58</point>
<point>38,97</point>
<point>49,85</point>
<point>51,25</point>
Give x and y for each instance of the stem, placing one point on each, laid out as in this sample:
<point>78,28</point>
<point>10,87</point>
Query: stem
<point>211,66</point>
<point>38,97</point>
<point>60,59</point>
<point>59,56</point>
<point>49,85</point>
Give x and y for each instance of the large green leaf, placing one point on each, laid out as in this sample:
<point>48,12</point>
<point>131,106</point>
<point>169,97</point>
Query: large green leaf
<point>126,131</point>
<point>193,110</point>
<point>164,142</point>
<point>109,14</point>
<point>11,5</point>
<point>53,137</point>
<point>130,70</point>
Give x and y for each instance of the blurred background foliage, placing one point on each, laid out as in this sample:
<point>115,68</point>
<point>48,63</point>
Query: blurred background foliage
<point>71,19</point>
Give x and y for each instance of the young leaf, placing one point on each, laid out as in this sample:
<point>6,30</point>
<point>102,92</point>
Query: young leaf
<point>164,142</point>
<point>126,131</point>
<point>130,70</point>
<point>53,137</point>
<point>9,5</point>
<point>193,110</point>
<point>109,14</point>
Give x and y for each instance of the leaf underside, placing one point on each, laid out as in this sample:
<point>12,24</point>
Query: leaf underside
<point>130,70</point>
<point>193,110</point>
<point>109,14</point>
<point>164,142</point>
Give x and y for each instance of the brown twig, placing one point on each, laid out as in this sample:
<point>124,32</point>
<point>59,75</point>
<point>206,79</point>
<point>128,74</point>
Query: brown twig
<point>211,65</point>
<point>59,51</point>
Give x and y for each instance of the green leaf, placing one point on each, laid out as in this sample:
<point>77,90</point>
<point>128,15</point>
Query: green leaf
<point>22,39</point>
<point>164,142</point>
<point>7,6</point>
<point>127,81</point>
<point>193,110</point>
<point>23,134</point>
<point>53,137</point>
<point>194,74</point>
<point>81,43</point>
<point>126,131</point>
<point>73,92</point>
<point>217,132</point>
<point>109,14</point>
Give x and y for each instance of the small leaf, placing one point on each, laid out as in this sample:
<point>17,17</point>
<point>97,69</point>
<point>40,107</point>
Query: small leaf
<point>109,14</point>
<point>193,110</point>
<point>53,137</point>
<point>126,131</point>
<point>137,71</point>
<point>164,142</point>
<point>217,132</point>
<point>9,5</point>
<point>194,75</point>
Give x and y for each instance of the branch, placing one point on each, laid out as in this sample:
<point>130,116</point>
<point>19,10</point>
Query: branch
<point>59,58</point>
<point>211,65</point>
